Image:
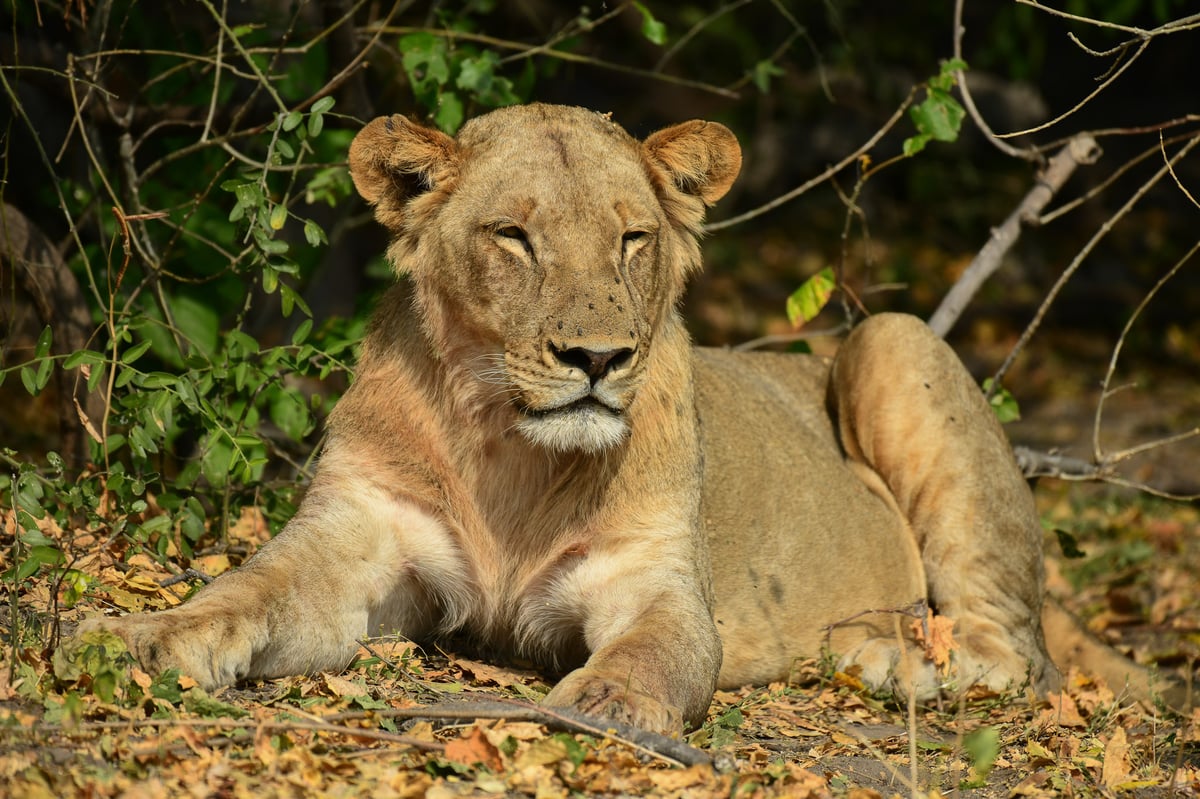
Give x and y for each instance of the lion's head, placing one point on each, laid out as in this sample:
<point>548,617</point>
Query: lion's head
<point>548,247</point>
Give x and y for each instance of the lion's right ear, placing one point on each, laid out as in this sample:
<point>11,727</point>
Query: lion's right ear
<point>393,160</point>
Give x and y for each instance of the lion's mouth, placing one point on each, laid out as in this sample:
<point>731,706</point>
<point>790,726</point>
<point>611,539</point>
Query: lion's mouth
<point>583,406</point>
<point>586,424</point>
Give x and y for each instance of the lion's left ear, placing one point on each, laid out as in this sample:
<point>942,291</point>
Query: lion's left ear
<point>394,160</point>
<point>701,158</point>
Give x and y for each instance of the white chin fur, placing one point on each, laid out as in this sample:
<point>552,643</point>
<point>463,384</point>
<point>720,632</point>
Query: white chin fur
<point>589,428</point>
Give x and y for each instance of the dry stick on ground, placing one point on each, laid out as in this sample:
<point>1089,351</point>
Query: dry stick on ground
<point>1081,149</point>
<point>661,747</point>
<point>671,750</point>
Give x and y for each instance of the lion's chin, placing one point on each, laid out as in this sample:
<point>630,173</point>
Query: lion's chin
<point>584,426</point>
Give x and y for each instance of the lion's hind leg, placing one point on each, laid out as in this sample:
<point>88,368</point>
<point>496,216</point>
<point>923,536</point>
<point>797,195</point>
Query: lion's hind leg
<point>908,410</point>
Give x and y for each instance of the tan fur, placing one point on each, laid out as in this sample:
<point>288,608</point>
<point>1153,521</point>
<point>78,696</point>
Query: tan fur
<point>535,455</point>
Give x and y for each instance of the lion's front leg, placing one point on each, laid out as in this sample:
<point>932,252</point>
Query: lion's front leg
<point>349,565</point>
<point>655,651</point>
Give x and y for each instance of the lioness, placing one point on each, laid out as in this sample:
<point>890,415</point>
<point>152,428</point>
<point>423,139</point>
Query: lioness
<point>533,453</point>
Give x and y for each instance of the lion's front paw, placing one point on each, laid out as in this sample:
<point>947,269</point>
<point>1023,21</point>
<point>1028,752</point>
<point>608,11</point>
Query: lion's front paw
<point>604,697</point>
<point>210,653</point>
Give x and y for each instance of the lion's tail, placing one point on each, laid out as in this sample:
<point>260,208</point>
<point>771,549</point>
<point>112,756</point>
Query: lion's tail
<point>1070,644</point>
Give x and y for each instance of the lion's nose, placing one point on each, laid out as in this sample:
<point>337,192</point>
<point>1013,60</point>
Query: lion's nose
<point>596,364</point>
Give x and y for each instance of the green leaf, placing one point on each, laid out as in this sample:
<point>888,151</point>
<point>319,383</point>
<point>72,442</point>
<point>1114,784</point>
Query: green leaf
<point>807,301</point>
<point>159,380</point>
<point>44,370</point>
<point>37,557</point>
<point>43,343</point>
<point>248,195</point>
<point>302,331</point>
<point>292,120</point>
<point>136,351</point>
<point>278,217</point>
<point>316,124</point>
<point>423,56</point>
<point>982,747</point>
<point>323,105</point>
<point>652,29</point>
<point>946,79</point>
<point>475,74</point>
<point>29,379</point>
<point>313,234</point>
<point>80,357</point>
<point>939,116</point>
<point>290,412</point>
<point>915,144</point>
<point>449,113</point>
<point>1003,403</point>
<point>197,321</point>
<point>166,687</point>
<point>762,74</point>
<point>200,703</point>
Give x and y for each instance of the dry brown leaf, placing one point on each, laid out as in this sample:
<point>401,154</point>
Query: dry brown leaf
<point>475,748</point>
<point>1116,768</point>
<point>935,634</point>
<point>143,680</point>
<point>677,779</point>
<point>542,753</point>
<point>212,565</point>
<point>341,687</point>
<point>496,675</point>
<point>1062,712</point>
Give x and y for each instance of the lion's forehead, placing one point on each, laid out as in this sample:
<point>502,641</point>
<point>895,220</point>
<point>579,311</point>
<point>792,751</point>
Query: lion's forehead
<point>575,153</point>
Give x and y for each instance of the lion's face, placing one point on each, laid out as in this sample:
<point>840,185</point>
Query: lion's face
<point>548,247</point>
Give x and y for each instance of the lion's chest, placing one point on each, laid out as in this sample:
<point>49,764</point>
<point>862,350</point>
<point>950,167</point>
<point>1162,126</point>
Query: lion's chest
<point>528,539</point>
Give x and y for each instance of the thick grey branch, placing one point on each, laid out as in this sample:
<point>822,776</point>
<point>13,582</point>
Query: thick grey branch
<point>1048,464</point>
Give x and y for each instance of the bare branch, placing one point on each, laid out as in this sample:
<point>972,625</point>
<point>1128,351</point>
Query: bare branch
<point>1174,26</point>
<point>1101,187</point>
<point>561,55</point>
<point>969,101</point>
<point>1082,149</point>
<point>1108,81</point>
<point>1069,272</point>
<point>1097,453</point>
<point>789,338</point>
<point>819,179</point>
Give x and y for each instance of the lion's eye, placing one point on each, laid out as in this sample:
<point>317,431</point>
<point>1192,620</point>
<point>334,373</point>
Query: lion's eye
<point>511,232</point>
<point>632,241</point>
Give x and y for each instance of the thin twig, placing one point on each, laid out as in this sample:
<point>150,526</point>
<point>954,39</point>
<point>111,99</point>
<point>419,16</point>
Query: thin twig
<point>691,32</point>
<point>969,102</point>
<point>562,55</point>
<point>1102,186</point>
<point>1108,81</point>
<point>1080,150</point>
<point>789,338</point>
<point>1174,26</point>
<point>1097,452</point>
<point>1077,261</point>
<point>821,178</point>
